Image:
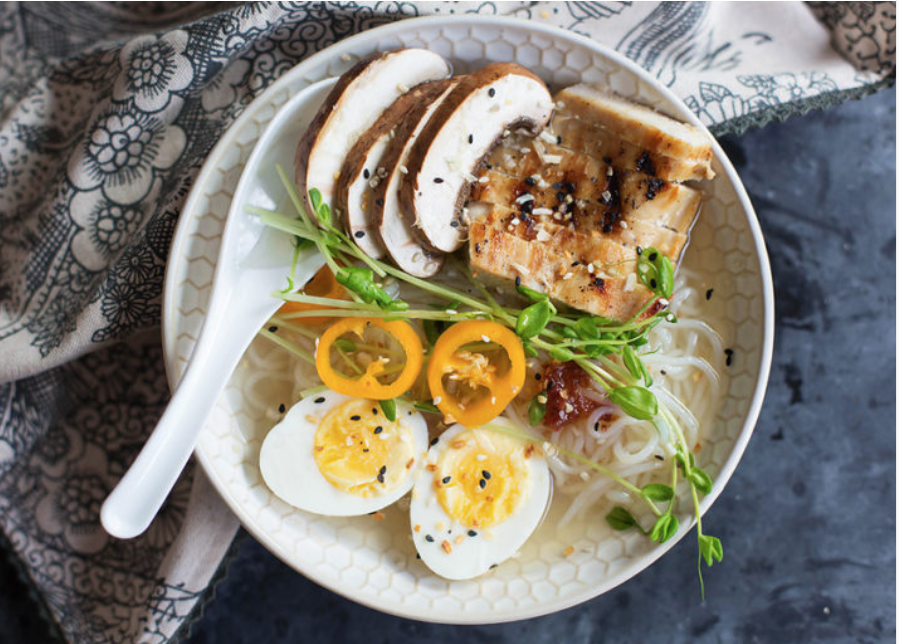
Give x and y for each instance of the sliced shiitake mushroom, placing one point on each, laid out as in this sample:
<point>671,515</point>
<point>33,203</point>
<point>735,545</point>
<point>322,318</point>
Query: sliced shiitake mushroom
<point>482,108</point>
<point>357,100</point>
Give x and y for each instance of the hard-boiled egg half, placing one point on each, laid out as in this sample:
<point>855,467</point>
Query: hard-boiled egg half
<point>341,456</point>
<point>481,495</point>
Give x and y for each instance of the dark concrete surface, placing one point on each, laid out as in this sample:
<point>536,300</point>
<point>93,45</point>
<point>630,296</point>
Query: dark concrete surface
<point>808,519</point>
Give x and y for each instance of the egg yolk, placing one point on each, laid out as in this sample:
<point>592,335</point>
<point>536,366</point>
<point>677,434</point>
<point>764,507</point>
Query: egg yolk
<point>360,452</point>
<point>482,478</point>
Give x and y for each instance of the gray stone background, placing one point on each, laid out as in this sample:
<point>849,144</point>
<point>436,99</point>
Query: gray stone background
<point>808,519</point>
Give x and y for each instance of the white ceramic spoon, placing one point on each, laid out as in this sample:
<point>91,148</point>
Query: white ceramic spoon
<point>252,263</point>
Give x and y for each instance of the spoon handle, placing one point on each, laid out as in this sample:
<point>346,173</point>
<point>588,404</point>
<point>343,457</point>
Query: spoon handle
<point>131,506</point>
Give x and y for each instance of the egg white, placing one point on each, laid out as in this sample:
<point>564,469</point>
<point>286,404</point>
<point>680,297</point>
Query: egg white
<point>476,554</point>
<point>289,469</point>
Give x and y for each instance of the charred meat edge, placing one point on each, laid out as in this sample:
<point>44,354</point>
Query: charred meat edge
<point>470,84</point>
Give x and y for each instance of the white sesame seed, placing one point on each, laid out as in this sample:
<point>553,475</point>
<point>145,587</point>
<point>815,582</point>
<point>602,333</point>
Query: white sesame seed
<point>526,197</point>
<point>404,169</point>
<point>568,275</point>
<point>437,400</point>
<point>481,457</point>
<point>590,267</point>
<point>606,195</point>
<point>609,171</point>
<point>485,338</point>
<point>452,311</point>
<point>484,179</point>
<point>541,211</point>
<point>516,221</point>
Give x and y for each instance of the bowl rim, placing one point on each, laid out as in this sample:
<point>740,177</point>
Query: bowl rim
<point>345,46</point>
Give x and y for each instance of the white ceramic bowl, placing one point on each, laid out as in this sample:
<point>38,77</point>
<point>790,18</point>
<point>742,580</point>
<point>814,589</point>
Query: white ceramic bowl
<point>374,562</point>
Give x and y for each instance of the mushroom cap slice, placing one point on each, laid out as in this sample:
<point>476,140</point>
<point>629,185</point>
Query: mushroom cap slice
<point>482,107</point>
<point>397,236</point>
<point>363,169</point>
<point>357,100</point>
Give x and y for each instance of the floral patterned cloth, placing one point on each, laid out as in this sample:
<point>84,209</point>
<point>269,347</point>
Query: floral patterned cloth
<point>107,111</point>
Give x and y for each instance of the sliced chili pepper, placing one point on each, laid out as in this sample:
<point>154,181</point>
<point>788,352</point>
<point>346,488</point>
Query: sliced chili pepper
<point>472,369</point>
<point>322,284</point>
<point>367,385</point>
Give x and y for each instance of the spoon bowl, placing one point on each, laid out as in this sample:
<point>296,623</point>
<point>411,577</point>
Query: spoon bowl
<point>252,263</point>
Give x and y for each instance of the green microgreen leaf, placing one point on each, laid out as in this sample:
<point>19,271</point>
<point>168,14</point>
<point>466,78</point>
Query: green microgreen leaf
<point>638,402</point>
<point>710,549</point>
<point>631,361</point>
<point>664,528</point>
<point>658,492</point>
<point>700,480</point>
<point>656,272</point>
<point>537,409</point>
<point>529,350</point>
<point>345,344</point>
<point>532,320</point>
<point>389,409</point>
<point>361,280</point>
<point>620,519</point>
<point>561,354</point>
<point>531,294</point>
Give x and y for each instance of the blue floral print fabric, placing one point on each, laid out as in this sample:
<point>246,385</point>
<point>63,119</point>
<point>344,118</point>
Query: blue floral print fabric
<point>107,112</point>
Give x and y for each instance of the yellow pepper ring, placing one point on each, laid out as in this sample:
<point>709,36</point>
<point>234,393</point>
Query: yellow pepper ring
<point>367,385</point>
<point>503,388</point>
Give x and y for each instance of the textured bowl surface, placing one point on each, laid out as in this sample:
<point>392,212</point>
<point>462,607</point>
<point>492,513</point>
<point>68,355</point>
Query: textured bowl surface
<point>374,562</point>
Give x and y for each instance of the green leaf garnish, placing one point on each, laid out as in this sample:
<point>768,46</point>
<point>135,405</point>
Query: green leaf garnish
<point>389,409</point>
<point>658,492</point>
<point>536,410</point>
<point>636,401</point>
<point>620,519</point>
<point>664,528</point>
<point>532,320</point>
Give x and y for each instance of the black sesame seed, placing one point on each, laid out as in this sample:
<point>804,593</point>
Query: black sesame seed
<point>378,429</point>
<point>381,473</point>
<point>365,173</point>
<point>438,180</point>
<point>560,196</point>
<point>491,92</point>
<point>537,376</point>
<point>359,234</point>
<point>485,474</point>
<point>472,533</point>
<point>608,160</point>
<point>356,417</point>
<point>708,293</point>
<point>272,329</point>
<point>518,280</point>
<point>596,426</point>
<point>557,185</point>
<point>558,140</point>
<point>366,450</point>
<point>454,223</point>
<point>659,457</point>
<point>434,441</point>
<point>639,250</point>
<point>607,228</point>
<point>447,479</point>
<point>570,187</point>
<point>417,556</point>
<point>653,256</point>
<point>530,181</point>
<point>471,138</point>
<point>379,202</point>
<point>730,356</point>
<point>573,264</point>
<point>374,410</point>
<point>429,538</point>
<point>652,283</point>
<point>281,408</point>
<point>320,400</point>
<point>482,483</point>
<point>492,566</point>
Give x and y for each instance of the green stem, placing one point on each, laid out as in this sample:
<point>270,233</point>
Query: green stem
<point>294,349</point>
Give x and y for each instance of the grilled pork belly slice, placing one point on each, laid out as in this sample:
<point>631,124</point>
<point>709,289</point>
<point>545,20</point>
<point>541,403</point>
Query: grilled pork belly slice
<point>363,170</point>
<point>357,100</point>
<point>453,144</point>
<point>395,231</point>
<point>638,125</point>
